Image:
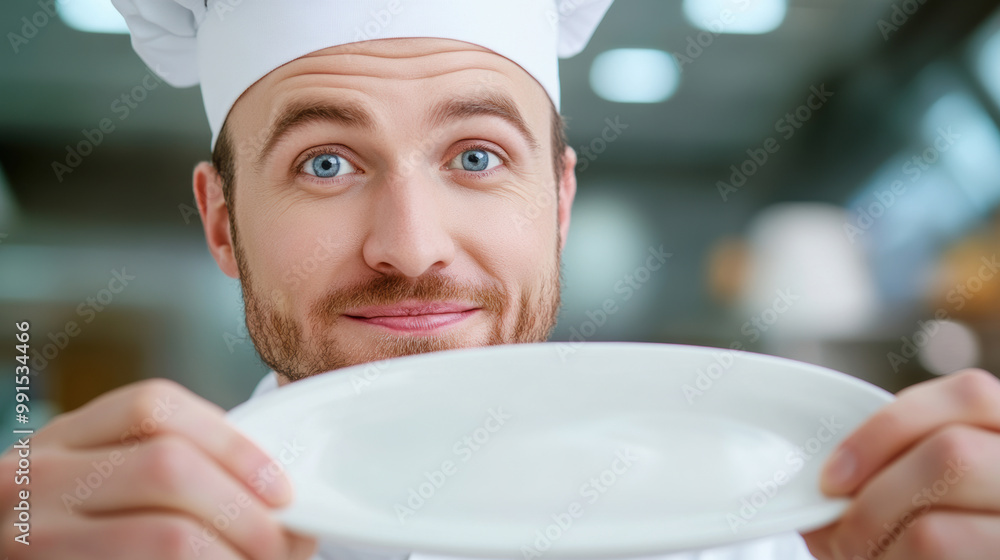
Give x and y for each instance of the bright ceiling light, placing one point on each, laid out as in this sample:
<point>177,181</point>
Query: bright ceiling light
<point>634,75</point>
<point>93,16</point>
<point>748,17</point>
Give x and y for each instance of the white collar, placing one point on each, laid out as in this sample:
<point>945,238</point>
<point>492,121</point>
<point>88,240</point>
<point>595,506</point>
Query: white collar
<point>267,384</point>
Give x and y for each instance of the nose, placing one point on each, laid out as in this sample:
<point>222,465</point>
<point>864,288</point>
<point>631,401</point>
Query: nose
<point>408,234</point>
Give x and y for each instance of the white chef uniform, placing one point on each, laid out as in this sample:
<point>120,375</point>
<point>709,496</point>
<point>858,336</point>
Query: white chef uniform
<point>789,546</point>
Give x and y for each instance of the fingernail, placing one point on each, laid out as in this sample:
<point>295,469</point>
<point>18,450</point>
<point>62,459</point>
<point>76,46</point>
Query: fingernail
<point>272,484</point>
<point>840,470</point>
<point>279,491</point>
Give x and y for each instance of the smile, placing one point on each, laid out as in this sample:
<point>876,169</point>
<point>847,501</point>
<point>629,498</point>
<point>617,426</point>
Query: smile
<point>414,316</point>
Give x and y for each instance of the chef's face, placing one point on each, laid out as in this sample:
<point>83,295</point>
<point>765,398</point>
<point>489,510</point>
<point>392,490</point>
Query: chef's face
<point>387,198</point>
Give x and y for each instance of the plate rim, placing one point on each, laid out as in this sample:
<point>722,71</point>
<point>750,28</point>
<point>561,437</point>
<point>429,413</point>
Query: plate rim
<point>816,515</point>
<point>245,408</point>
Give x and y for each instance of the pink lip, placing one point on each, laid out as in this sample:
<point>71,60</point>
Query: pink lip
<point>413,316</point>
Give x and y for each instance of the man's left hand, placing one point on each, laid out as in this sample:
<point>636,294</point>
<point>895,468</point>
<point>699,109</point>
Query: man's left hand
<point>924,477</point>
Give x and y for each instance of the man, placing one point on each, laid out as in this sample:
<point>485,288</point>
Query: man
<point>406,149</point>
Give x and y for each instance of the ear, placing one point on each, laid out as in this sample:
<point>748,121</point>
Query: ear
<point>567,192</point>
<point>215,217</point>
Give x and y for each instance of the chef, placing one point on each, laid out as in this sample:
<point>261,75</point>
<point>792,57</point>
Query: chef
<point>382,184</point>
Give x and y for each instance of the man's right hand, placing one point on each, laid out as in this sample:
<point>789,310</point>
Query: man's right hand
<point>148,471</point>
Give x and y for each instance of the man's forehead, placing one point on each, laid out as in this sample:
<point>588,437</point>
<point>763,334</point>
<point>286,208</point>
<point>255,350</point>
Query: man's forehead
<point>401,47</point>
<point>414,58</point>
<point>469,70</point>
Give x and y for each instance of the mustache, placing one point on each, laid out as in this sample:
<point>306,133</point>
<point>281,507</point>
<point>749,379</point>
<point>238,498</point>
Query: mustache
<point>387,290</point>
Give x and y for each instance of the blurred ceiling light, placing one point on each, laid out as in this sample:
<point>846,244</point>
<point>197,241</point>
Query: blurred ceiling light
<point>807,281</point>
<point>93,16</point>
<point>989,65</point>
<point>634,75</point>
<point>746,17</point>
<point>948,347</point>
<point>962,134</point>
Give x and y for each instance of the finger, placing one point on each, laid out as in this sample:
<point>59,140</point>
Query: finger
<point>135,413</point>
<point>302,547</point>
<point>952,469</point>
<point>818,542</point>
<point>169,474</point>
<point>948,534</point>
<point>146,535</point>
<point>970,397</point>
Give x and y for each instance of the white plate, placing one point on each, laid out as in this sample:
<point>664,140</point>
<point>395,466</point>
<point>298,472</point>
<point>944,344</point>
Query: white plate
<point>606,450</point>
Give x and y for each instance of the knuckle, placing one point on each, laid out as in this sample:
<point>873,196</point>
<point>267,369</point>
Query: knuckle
<point>172,536</point>
<point>951,442</point>
<point>158,388</point>
<point>160,385</point>
<point>141,406</point>
<point>167,463</point>
<point>889,421</point>
<point>55,422</point>
<point>40,469</point>
<point>51,469</point>
<point>978,392</point>
<point>56,425</point>
<point>146,399</point>
<point>929,537</point>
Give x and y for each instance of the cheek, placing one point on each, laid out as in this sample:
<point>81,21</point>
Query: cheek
<point>297,250</point>
<point>510,235</point>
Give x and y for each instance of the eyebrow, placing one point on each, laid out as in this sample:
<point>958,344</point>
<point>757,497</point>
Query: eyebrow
<point>492,104</point>
<point>299,114</point>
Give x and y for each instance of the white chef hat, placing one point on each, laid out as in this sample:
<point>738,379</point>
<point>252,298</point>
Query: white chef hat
<point>227,45</point>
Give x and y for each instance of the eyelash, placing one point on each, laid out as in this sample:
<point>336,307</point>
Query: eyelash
<point>486,148</point>
<point>297,167</point>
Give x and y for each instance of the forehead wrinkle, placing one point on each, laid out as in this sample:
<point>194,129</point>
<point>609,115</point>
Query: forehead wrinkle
<point>383,77</point>
<point>339,60</point>
<point>400,47</point>
<point>393,70</point>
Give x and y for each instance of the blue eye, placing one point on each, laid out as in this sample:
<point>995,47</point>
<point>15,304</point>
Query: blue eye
<point>475,160</point>
<point>327,165</point>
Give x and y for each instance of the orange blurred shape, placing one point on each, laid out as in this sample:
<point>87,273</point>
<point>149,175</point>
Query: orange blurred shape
<point>968,280</point>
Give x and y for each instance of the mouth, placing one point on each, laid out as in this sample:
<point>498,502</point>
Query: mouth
<point>415,317</point>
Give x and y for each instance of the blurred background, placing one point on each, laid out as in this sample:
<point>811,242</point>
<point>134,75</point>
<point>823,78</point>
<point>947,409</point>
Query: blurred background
<point>816,179</point>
